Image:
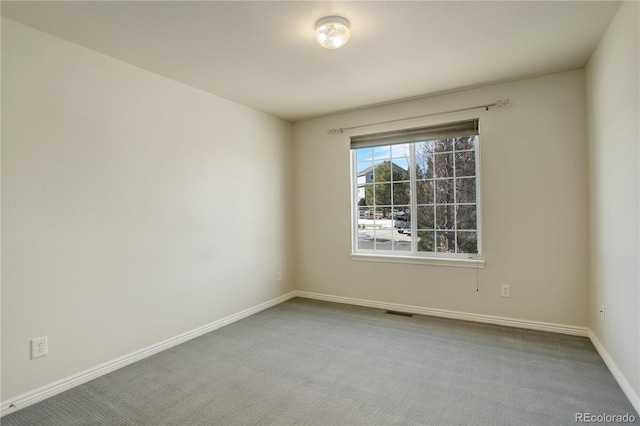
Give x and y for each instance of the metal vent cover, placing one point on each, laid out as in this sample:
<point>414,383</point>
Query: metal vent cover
<point>400,314</point>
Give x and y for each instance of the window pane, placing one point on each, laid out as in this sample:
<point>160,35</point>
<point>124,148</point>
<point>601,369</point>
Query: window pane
<point>366,228</point>
<point>424,189</point>
<point>364,154</point>
<point>424,161</point>
<point>402,239</point>
<point>362,167</point>
<point>466,190</point>
<point>445,217</point>
<point>398,173</point>
<point>365,241</point>
<point>468,142</point>
<point>400,155</point>
<point>425,217</point>
<point>467,242</point>
<point>402,213</point>
<point>402,221</point>
<point>444,191</point>
<point>401,193</point>
<point>400,150</point>
<point>363,212</point>
<point>466,217</point>
<point>363,177</point>
<point>424,167</point>
<point>426,241</point>
<point>402,229</point>
<point>383,243</point>
<point>382,172</point>
<point>442,145</point>
<point>381,152</point>
<point>384,231</point>
<point>426,147</point>
<point>465,163</point>
<point>382,194</point>
<point>443,164</point>
<point>365,195</point>
<point>384,213</point>
<point>445,242</point>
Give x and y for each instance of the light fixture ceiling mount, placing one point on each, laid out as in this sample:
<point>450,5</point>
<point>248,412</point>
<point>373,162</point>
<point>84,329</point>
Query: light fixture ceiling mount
<point>332,32</point>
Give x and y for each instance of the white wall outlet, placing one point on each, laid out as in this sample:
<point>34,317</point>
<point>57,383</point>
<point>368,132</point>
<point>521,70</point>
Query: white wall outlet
<point>39,347</point>
<point>602,313</point>
<point>279,275</point>
<point>505,291</point>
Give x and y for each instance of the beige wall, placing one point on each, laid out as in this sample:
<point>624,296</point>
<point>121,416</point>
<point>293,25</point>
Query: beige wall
<point>534,194</point>
<point>614,203</point>
<point>134,208</point>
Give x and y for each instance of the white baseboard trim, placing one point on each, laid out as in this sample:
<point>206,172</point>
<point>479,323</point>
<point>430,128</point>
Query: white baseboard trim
<point>47,391</point>
<point>488,319</point>
<point>634,398</point>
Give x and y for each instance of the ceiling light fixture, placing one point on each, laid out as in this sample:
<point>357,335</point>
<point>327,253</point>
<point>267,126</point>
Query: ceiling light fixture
<point>332,32</point>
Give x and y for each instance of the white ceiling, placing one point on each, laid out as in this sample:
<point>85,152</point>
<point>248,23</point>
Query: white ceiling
<point>262,53</point>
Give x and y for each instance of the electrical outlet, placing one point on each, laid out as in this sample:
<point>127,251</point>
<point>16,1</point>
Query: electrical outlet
<point>505,291</point>
<point>602,313</point>
<point>39,347</point>
<point>279,275</point>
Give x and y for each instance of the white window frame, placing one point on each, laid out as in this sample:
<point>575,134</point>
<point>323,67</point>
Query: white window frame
<point>465,260</point>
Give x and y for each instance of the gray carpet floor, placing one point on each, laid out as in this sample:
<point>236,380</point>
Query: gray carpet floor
<point>307,362</point>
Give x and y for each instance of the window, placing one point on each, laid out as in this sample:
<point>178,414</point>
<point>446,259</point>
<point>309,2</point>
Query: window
<point>416,192</point>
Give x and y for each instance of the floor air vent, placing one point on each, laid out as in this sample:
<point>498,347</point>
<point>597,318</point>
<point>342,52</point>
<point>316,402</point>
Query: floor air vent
<point>400,314</point>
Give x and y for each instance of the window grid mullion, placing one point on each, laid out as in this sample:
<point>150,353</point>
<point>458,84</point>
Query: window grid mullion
<point>413,198</point>
<point>455,198</point>
<point>375,208</point>
<point>391,198</point>
<point>354,202</point>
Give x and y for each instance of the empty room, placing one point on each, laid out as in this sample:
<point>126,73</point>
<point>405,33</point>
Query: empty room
<point>320,213</point>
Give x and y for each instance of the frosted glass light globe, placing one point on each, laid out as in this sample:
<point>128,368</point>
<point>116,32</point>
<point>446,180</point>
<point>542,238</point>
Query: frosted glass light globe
<point>332,32</point>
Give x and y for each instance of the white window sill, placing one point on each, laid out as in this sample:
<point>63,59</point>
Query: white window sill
<point>434,261</point>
